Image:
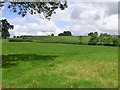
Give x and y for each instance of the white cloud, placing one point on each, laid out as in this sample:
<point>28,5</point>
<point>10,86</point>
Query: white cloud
<point>109,24</point>
<point>17,20</point>
<point>93,1</point>
<point>1,11</point>
<point>87,17</point>
<point>31,25</point>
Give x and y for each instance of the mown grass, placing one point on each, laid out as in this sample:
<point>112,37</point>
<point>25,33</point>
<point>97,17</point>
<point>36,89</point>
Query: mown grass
<point>75,66</point>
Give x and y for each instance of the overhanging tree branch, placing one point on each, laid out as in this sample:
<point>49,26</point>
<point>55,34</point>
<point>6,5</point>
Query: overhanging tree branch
<point>47,7</point>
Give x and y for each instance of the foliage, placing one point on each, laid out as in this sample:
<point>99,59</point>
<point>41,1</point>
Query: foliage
<point>5,27</point>
<point>23,8</point>
<point>52,34</point>
<point>116,41</point>
<point>89,34</point>
<point>65,33</point>
<point>83,40</point>
<point>101,39</point>
<point>108,40</point>
<point>104,39</point>
<point>104,34</point>
<point>93,39</point>
<point>46,7</point>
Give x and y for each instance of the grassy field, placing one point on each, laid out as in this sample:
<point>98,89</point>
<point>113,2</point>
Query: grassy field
<point>59,39</point>
<point>45,65</point>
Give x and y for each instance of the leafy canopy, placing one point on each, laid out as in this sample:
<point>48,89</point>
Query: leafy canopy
<point>47,7</point>
<point>5,25</point>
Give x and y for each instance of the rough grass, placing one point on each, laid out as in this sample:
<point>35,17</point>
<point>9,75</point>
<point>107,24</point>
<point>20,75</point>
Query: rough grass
<point>75,66</point>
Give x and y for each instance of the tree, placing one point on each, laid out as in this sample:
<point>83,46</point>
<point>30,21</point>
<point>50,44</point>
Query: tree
<point>101,38</point>
<point>104,34</point>
<point>61,34</point>
<point>89,34</point>
<point>14,36</point>
<point>47,7</point>
<point>108,40</point>
<point>52,34</point>
<point>93,39</point>
<point>23,8</point>
<point>18,36</point>
<point>65,33</point>
<point>5,27</point>
<point>96,33</point>
<point>116,41</point>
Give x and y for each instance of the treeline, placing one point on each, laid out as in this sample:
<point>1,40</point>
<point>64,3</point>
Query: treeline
<point>103,39</point>
<point>92,39</point>
<point>65,33</point>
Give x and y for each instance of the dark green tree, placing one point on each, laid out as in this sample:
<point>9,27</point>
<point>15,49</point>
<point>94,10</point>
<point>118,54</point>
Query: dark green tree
<point>89,34</point>
<point>5,27</point>
<point>96,33</point>
<point>65,33</point>
<point>61,34</point>
<point>52,34</point>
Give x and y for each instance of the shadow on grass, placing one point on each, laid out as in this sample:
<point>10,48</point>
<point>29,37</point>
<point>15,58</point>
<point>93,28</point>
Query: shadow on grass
<point>13,59</point>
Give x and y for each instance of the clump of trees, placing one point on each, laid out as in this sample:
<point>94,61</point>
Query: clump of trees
<point>103,39</point>
<point>65,33</point>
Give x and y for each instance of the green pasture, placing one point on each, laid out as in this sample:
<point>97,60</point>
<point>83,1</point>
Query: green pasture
<point>59,39</point>
<point>50,65</point>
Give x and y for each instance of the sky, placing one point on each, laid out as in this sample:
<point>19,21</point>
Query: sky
<point>80,18</point>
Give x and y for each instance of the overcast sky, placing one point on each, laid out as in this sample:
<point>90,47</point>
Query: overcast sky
<point>80,18</point>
